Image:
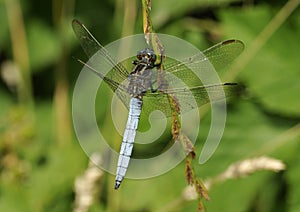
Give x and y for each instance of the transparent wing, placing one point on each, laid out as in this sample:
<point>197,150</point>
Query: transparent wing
<point>189,98</point>
<point>219,56</point>
<point>94,49</point>
<point>222,54</point>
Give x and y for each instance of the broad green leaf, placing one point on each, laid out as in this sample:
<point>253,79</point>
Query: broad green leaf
<point>272,74</point>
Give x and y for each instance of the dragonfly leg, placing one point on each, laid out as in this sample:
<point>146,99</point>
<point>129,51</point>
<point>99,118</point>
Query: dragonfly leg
<point>134,62</point>
<point>152,89</point>
<point>160,61</point>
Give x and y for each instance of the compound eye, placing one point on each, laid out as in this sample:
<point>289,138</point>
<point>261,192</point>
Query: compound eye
<point>153,57</point>
<point>139,56</point>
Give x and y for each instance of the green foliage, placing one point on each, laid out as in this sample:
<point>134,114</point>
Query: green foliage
<point>275,63</point>
<point>41,36</point>
<point>39,162</point>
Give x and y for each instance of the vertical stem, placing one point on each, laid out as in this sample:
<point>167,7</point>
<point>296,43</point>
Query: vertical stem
<point>129,18</point>
<point>20,51</point>
<point>150,36</point>
<point>177,134</point>
<point>147,24</point>
<point>61,11</point>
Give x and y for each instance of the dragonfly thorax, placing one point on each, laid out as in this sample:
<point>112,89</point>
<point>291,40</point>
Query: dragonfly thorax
<point>140,79</point>
<point>146,57</point>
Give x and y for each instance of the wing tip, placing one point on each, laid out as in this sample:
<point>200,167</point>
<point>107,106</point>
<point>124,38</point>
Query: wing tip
<point>76,23</point>
<point>230,41</point>
<point>230,83</point>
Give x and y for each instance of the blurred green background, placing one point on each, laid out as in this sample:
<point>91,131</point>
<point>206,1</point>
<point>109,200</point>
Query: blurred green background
<point>40,157</point>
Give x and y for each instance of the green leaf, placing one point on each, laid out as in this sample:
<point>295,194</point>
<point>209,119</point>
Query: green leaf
<point>272,74</point>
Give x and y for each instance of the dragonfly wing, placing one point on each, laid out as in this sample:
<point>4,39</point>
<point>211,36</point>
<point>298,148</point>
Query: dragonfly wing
<point>189,98</point>
<point>91,46</point>
<point>99,57</point>
<point>205,94</point>
<point>222,54</point>
<point>219,56</point>
<point>156,101</point>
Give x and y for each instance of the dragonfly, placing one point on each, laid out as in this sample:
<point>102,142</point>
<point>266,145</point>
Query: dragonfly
<point>139,93</point>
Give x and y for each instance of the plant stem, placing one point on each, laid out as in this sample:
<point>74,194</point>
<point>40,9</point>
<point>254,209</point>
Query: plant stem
<point>62,10</point>
<point>20,51</point>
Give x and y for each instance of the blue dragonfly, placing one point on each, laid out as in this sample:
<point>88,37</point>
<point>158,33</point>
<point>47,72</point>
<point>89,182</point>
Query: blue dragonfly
<point>142,78</point>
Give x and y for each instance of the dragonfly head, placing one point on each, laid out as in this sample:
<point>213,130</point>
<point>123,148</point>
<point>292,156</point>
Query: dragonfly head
<point>146,56</point>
